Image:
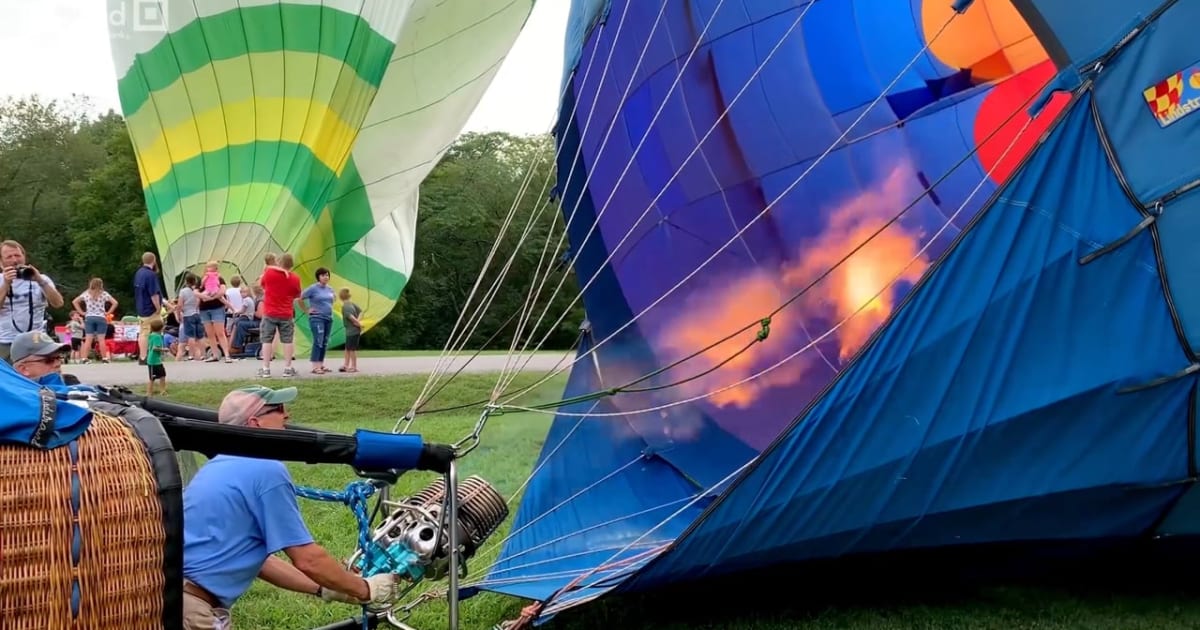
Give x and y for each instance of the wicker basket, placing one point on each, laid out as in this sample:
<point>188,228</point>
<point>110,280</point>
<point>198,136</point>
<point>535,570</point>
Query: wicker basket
<point>86,530</point>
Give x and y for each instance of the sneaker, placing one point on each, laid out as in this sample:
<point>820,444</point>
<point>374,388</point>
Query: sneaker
<point>264,373</point>
<point>289,372</point>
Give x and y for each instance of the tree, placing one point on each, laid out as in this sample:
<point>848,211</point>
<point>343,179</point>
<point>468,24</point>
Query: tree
<point>70,191</point>
<point>44,148</point>
<point>465,202</point>
<point>109,227</point>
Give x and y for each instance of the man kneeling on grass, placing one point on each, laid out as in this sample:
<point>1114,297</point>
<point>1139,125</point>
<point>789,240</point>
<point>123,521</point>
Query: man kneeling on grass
<point>238,511</point>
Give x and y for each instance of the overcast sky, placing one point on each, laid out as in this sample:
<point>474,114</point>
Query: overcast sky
<point>58,47</point>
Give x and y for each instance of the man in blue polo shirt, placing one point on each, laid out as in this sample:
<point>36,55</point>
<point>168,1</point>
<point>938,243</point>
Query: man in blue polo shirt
<point>239,511</point>
<point>147,300</point>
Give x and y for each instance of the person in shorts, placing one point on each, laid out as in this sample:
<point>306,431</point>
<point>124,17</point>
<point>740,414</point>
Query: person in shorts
<point>350,314</point>
<point>155,347</point>
<point>281,289</point>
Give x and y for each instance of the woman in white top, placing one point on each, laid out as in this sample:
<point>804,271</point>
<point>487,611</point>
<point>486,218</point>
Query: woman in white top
<point>96,305</point>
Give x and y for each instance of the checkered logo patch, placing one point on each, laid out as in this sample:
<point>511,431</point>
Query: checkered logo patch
<point>1175,97</point>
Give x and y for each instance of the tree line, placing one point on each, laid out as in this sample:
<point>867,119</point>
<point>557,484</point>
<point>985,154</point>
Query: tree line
<point>70,192</point>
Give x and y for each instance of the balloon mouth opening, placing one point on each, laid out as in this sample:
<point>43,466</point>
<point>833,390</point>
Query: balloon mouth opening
<point>226,268</point>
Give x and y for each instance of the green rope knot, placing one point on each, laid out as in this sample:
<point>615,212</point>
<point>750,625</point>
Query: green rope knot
<point>765,329</point>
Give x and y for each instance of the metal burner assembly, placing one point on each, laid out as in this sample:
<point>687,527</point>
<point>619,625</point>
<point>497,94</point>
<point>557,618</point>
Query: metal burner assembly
<point>416,538</point>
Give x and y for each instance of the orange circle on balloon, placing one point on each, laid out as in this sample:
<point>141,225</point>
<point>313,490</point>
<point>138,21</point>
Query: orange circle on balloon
<point>991,38</point>
<point>1195,80</point>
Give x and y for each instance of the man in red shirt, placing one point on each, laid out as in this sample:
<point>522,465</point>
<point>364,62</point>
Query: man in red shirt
<point>281,289</point>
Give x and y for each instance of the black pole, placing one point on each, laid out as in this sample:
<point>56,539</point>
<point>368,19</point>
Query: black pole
<point>353,623</point>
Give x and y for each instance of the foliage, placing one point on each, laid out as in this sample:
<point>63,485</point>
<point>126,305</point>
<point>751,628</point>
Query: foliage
<point>71,193</point>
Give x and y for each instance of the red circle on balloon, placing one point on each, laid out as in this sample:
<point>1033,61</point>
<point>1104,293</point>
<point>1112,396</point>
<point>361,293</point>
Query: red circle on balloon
<point>1016,93</point>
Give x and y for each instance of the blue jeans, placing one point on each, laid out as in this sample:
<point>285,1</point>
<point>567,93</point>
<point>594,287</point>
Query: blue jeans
<point>321,326</point>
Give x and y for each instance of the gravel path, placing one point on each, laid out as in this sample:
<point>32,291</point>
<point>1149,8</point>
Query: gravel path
<point>125,372</point>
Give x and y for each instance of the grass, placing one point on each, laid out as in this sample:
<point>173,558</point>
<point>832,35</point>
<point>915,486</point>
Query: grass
<point>511,443</point>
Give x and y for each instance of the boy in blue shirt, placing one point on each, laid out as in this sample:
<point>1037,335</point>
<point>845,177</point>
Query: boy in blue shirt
<point>239,511</point>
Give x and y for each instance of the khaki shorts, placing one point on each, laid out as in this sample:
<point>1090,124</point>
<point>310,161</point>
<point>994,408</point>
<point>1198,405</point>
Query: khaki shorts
<point>144,325</point>
<point>200,615</point>
<point>269,325</point>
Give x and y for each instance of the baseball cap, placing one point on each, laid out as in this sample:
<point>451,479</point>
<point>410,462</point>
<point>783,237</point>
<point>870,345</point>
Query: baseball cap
<point>35,342</point>
<point>244,403</point>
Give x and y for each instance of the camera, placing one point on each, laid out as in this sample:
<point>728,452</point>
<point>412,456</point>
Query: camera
<point>25,272</point>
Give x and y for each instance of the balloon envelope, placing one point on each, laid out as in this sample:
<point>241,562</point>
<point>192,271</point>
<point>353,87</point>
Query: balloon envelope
<point>294,126</point>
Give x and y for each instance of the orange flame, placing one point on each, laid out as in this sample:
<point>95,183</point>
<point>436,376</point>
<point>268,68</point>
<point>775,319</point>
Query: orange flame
<point>854,289</point>
<point>714,314</point>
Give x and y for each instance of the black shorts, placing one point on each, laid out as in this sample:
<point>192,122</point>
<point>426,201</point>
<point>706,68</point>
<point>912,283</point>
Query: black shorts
<point>352,342</point>
<point>157,372</point>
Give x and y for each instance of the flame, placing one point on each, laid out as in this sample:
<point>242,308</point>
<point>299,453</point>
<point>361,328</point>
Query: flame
<point>856,288</point>
<point>853,290</point>
<point>709,316</point>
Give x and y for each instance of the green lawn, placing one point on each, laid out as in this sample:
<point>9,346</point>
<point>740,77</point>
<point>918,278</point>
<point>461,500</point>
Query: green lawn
<point>510,444</point>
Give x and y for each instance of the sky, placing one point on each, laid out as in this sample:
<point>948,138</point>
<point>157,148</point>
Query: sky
<point>56,48</point>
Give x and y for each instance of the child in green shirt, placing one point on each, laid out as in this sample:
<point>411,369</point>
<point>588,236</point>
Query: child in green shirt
<point>350,314</point>
<point>154,361</point>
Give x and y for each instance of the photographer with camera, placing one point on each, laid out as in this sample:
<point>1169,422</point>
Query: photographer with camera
<point>24,294</point>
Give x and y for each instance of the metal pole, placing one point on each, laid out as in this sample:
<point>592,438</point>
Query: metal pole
<point>452,508</point>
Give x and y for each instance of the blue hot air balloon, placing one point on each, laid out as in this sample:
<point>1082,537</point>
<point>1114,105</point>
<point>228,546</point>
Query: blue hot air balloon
<point>865,276</point>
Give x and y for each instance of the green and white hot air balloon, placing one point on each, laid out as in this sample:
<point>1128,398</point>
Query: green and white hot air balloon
<point>302,126</point>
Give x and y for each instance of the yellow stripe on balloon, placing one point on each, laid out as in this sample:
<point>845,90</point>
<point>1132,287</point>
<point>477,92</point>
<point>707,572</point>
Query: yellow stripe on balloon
<point>300,121</point>
<point>267,74</point>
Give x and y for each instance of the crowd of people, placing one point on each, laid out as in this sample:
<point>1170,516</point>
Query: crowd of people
<point>239,512</point>
<point>210,319</point>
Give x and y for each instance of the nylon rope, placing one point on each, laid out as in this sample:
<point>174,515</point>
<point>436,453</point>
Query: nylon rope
<point>531,296</point>
<point>547,543</point>
<point>419,401</point>
<point>754,220</point>
<point>577,159</point>
<point>629,163</point>
<point>550,608</point>
<point>950,221</point>
<point>896,278</point>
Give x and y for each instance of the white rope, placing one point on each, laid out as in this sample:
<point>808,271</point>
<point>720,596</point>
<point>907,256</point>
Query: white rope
<point>633,228</point>
<point>978,187</point>
<point>445,357</point>
<point>532,295</point>
<point>896,278</point>
<point>652,546</point>
<point>445,354</point>
<point>639,539</point>
<point>632,158</point>
<point>588,178</point>
<point>589,528</point>
<point>754,220</point>
<point>516,251</point>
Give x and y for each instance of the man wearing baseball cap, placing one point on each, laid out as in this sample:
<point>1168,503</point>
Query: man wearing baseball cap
<point>239,511</point>
<point>35,354</point>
